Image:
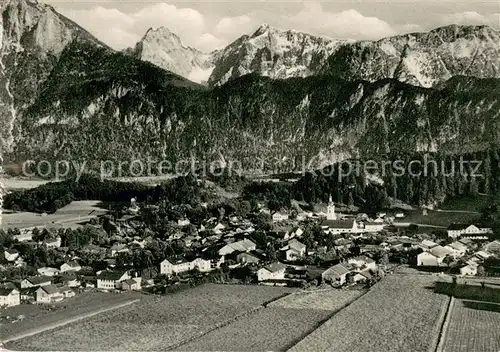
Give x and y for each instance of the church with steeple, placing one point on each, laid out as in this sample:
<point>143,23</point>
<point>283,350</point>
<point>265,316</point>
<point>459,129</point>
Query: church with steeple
<point>330,210</point>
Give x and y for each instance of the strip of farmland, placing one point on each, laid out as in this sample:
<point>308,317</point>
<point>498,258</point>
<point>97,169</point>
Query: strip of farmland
<point>156,322</point>
<point>401,313</point>
<point>474,326</point>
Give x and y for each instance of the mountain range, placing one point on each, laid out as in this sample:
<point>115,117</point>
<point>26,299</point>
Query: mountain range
<point>422,59</point>
<point>282,98</point>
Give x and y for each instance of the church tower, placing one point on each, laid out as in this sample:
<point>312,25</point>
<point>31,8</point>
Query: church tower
<point>330,210</point>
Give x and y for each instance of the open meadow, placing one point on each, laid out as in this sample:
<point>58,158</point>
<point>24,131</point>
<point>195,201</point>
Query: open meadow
<point>15,183</point>
<point>473,326</point>
<point>157,322</point>
<point>34,317</point>
<point>327,299</point>
<point>437,218</point>
<point>267,329</point>
<point>400,313</point>
<point>71,214</point>
<point>279,325</point>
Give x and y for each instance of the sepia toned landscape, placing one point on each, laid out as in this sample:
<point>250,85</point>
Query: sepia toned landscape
<point>250,176</point>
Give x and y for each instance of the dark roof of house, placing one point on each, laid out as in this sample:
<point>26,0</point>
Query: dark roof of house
<point>296,245</point>
<point>110,275</point>
<point>454,227</point>
<point>130,282</point>
<point>250,254</point>
<point>274,267</point>
<point>50,289</point>
<point>338,270</point>
<point>11,251</point>
<point>36,280</point>
<point>5,291</point>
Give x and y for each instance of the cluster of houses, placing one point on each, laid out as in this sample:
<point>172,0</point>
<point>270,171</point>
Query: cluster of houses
<point>467,251</point>
<point>51,289</point>
<point>232,239</point>
<point>353,270</point>
<point>357,269</point>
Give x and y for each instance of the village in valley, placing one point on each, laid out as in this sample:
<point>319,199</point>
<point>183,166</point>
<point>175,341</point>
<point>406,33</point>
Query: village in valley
<point>303,249</point>
<point>88,256</point>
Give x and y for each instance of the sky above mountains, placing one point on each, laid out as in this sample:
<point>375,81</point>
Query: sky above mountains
<point>209,25</point>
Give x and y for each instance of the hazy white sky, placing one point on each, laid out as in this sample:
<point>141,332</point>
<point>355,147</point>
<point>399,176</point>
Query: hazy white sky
<point>208,25</point>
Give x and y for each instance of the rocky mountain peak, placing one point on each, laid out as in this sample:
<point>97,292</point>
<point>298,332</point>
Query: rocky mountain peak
<point>163,48</point>
<point>162,34</point>
<point>423,59</point>
<point>273,52</point>
<point>32,37</point>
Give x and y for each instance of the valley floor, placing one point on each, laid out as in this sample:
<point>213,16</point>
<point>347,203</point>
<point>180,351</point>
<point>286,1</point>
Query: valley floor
<point>401,312</point>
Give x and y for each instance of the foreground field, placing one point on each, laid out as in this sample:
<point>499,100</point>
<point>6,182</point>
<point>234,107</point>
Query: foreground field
<point>400,313</point>
<point>328,299</point>
<point>277,327</point>
<point>156,323</point>
<point>39,316</point>
<point>267,329</point>
<point>473,326</point>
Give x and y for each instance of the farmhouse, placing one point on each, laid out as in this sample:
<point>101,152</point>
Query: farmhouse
<point>294,250</point>
<point>458,249</point>
<point>482,255</point>
<point>47,271</point>
<point>171,267</point>
<point>52,293</point>
<point>70,266</point>
<point>69,280</point>
<point>10,255</point>
<point>427,244</point>
<point>336,275</point>
<point>53,242</point>
<point>201,265</point>
<point>440,251</point>
<point>131,285</point>
<point>468,231</point>
<point>9,297</point>
<point>36,281</point>
<point>427,259</point>
<point>433,257</point>
<point>279,216</point>
<point>468,270</point>
<point>274,271</point>
<point>109,280</point>
<point>492,247</point>
<point>363,263</point>
<point>247,258</point>
<point>362,276</point>
<point>241,246</point>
